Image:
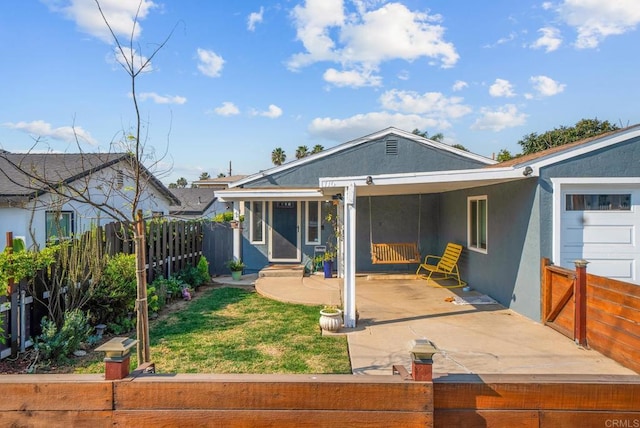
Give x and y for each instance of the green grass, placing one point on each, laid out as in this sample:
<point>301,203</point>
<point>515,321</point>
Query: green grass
<point>230,330</point>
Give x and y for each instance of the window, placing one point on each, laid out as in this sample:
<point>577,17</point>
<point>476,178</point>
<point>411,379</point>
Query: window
<point>257,222</point>
<point>313,223</point>
<point>58,225</point>
<point>477,223</point>
<point>598,202</point>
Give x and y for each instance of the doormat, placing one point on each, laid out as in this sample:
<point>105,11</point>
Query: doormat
<point>482,299</point>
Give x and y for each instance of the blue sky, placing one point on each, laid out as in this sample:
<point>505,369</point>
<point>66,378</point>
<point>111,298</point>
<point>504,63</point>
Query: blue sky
<point>238,79</point>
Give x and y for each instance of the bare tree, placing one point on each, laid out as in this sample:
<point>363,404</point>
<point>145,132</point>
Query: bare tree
<point>38,176</point>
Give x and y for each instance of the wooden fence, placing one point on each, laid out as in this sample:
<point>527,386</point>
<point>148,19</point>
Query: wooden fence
<point>170,247</point>
<point>598,312</point>
<point>152,400</point>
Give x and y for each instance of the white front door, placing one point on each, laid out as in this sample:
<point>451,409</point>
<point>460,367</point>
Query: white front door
<point>601,224</point>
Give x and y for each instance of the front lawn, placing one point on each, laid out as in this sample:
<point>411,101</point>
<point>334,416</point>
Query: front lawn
<point>232,330</point>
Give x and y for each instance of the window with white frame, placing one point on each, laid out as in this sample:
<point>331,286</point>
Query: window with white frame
<point>477,223</point>
<point>58,225</point>
<point>257,222</point>
<point>313,223</point>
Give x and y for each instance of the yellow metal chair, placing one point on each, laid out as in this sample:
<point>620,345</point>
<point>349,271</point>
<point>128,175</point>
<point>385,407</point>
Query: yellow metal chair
<point>446,265</point>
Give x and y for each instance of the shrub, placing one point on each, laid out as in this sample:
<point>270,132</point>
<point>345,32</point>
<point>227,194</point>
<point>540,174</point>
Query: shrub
<point>203,269</point>
<point>115,295</point>
<point>55,346</point>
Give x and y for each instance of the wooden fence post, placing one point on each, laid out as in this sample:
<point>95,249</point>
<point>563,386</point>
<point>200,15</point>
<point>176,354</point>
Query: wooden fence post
<point>580,296</point>
<point>545,278</point>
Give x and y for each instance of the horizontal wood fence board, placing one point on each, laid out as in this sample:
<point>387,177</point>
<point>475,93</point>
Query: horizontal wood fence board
<point>52,419</point>
<point>47,392</point>
<point>538,392</point>
<point>589,419</point>
<point>486,418</point>
<point>274,393</point>
<point>615,344</point>
<point>623,305</point>
<point>271,418</point>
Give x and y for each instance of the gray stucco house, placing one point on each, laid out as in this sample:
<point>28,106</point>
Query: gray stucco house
<point>581,200</point>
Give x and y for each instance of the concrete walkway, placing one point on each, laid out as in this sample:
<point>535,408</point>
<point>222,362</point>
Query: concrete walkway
<point>482,339</point>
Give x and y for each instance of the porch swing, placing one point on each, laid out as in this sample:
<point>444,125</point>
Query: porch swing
<point>396,252</point>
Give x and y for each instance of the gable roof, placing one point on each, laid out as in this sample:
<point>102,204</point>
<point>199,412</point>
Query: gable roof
<point>565,151</point>
<point>62,168</point>
<point>358,141</point>
<point>193,201</point>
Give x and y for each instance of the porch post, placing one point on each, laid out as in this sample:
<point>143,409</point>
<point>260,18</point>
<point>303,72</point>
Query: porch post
<point>237,232</point>
<point>349,260</point>
<point>580,306</point>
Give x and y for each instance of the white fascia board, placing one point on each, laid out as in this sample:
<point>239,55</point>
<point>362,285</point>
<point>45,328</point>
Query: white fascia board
<point>597,144</point>
<point>480,174</point>
<point>269,194</point>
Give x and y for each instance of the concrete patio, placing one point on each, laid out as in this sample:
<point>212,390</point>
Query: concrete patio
<point>483,338</point>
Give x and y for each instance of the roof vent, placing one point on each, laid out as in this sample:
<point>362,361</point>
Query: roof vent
<point>391,147</point>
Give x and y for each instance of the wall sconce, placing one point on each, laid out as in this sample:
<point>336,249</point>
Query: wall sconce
<point>337,197</point>
<point>527,171</point>
<point>369,180</point>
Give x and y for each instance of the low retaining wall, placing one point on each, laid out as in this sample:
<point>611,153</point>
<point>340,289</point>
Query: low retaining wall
<point>153,400</point>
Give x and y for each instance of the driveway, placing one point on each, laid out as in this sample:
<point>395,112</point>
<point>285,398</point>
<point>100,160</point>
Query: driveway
<point>481,339</point>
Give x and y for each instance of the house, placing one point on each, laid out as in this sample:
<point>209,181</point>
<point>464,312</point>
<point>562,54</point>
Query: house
<point>103,182</point>
<point>196,203</point>
<point>578,201</point>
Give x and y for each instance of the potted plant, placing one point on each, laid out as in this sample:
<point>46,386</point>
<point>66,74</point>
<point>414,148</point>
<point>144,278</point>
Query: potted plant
<point>328,263</point>
<point>236,267</point>
<point>330,318</point>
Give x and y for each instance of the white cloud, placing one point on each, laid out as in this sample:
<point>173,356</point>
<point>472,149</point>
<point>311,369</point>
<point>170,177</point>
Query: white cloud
<point>501,88</point>
<point>365,38</point>
<point>254,18</point>
<point>210,63</point>
<point>352,78</point>
<point>403,75</point>
<point>121,15</point>
<point>596,20</point>
<point>227,109</point>
<point>504,117</point>
<point>547,5</point>
<point>273,112</point>
<point>131,60</point>
<point>546,86</point>
<point>363,124</point>
<point>40,128</point>
<point>550,39</point>
<point>434,104</point>
<point>162,99</point>
<point>459,85</point>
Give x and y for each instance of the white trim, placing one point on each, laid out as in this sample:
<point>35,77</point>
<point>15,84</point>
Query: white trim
<point>478,174</point>
<point>270,231</point>
<point>371,137</point>
<point>560,184</point>
<point>306,223</point>
<point>270,194</point>
<point>470,200</point>
<point>264,220</point>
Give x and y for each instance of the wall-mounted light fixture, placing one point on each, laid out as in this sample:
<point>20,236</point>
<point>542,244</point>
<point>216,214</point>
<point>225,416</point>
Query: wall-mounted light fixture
<point>527,171</point>
<point>337,197</point>
<point>369,180</point>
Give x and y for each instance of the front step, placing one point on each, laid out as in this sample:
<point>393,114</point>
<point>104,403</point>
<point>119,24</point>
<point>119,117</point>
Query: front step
<point>289,271</point>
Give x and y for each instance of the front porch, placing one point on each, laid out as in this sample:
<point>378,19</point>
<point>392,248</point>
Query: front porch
<point>482,338</point>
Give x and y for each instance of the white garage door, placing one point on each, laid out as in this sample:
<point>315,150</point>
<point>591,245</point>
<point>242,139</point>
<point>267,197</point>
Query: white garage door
<point>602,226</point>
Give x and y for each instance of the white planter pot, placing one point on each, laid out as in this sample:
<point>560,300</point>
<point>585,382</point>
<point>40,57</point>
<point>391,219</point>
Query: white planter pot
<point>331,320</point>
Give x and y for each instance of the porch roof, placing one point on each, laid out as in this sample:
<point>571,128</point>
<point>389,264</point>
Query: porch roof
<point>385,184</point>
<point>426,182</point>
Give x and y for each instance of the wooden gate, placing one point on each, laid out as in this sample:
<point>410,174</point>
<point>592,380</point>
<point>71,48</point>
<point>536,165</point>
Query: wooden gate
<point>558,307</point>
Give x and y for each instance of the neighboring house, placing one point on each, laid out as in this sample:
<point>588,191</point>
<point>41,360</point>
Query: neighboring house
<point>196,204</point>
<point>218,183</point>
<point>105,180</point>
<point>578,201</point>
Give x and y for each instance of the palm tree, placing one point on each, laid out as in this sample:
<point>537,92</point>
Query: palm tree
<point>317,149</point>
<point>278,156</point>
<point>301,152</point>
